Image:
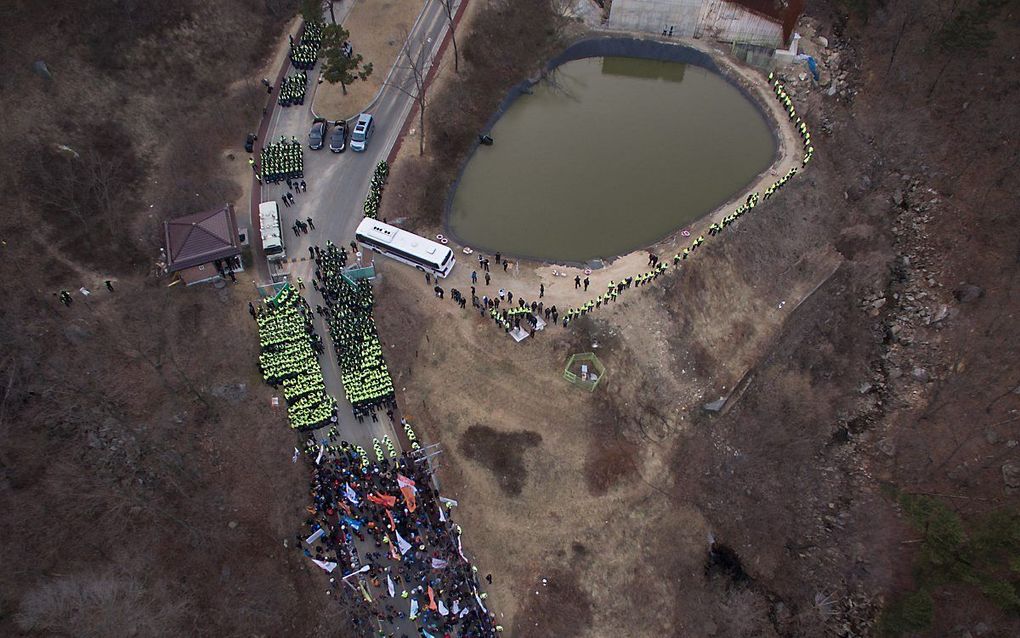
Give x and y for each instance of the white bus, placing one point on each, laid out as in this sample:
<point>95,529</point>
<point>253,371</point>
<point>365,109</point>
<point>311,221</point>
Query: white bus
<point>272,235</point>
<point>424,254</point>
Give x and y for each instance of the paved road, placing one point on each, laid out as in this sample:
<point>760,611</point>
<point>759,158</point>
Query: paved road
<point>337,185</point>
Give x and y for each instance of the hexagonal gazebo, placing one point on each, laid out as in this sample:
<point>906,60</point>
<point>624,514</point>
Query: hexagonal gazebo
<point>584,370</point>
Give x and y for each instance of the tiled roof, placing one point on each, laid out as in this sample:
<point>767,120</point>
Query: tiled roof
<point>201,238</point>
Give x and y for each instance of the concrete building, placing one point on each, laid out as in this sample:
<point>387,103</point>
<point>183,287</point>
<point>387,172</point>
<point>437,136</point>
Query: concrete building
<point>202,245</point>
<point>767,23</point>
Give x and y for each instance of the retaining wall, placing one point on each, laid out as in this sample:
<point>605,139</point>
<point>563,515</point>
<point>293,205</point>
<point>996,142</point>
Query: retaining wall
<point>716,19</point>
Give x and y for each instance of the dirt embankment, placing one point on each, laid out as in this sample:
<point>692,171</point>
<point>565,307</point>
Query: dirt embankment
<point>863,312</point>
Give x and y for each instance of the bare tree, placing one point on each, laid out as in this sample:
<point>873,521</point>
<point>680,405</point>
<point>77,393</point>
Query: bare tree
<point>417,59</point>
<point>450,7</point>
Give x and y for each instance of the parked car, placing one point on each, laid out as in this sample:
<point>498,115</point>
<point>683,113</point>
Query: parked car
<point>362,132</point>
<point>338,138</point>
<point>249,143</point>
<point>317,136</point>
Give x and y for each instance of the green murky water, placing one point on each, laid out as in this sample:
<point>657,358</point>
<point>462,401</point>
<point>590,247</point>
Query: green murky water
<point>609,155</point>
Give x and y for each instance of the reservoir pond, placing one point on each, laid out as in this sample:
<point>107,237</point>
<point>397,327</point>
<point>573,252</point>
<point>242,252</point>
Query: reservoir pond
<point>608,155</point>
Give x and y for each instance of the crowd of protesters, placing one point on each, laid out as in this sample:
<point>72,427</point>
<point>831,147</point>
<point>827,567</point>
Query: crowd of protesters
<point>393,554</point>
<point>348,310</point>
<point>288,358</point>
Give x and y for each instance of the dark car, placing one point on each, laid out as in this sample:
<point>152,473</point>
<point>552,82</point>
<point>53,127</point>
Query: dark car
<point>249,143</point>
<point>338,138</point>
<point>317,136</point>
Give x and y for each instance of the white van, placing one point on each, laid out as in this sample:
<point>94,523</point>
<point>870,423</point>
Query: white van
<point>272,235</point>
<point>362,132</point>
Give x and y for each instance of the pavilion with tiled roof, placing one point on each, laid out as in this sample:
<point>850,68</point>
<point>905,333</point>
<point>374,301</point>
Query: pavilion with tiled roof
<point>201,245</point>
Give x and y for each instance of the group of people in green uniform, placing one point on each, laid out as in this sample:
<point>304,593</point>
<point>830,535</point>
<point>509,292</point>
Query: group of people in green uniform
<point>282,160</point>
<point>303,54</point>
<point>349,304</point>
<point>785,100</point>
<point>382,171</point>
<point>292,89</point>
<point>390,449</point>
<point>660,267</point>
<point>288,357</point>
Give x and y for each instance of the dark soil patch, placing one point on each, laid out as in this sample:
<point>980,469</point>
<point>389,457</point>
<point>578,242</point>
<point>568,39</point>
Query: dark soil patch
<point>502,453</point>
<point>725,562</point>
<point>561,608</point>
<point>610,462</point>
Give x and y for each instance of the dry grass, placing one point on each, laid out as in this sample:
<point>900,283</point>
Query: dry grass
<point>377,29</point>
<point>113,438</point>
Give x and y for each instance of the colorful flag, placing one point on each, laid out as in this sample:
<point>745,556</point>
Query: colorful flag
<point>403,481</point>
<point>319,533</point>
<point>322,450</point>
<point>404,545</point>
<point>389,585</point>
<point>383,499</point>
<point>414,609</point>
<point>438,563</point>
<point>408,493</point>
<point>356,524</point>
<point>328,566</point>
<point>351,495</point>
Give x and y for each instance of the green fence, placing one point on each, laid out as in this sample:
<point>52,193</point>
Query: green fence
<point>584,370</point>
<point>353,275</point>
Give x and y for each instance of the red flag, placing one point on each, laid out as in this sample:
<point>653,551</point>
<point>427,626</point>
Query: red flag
<point>393,524</point>
<point>432,600</point>
<point>383,499</point>
<point>408,493</point>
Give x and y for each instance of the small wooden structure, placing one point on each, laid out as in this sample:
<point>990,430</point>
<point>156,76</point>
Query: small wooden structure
<point>203,246</point>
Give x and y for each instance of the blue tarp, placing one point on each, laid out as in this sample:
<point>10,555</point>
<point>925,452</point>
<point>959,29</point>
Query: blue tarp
<point>813,66</point>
